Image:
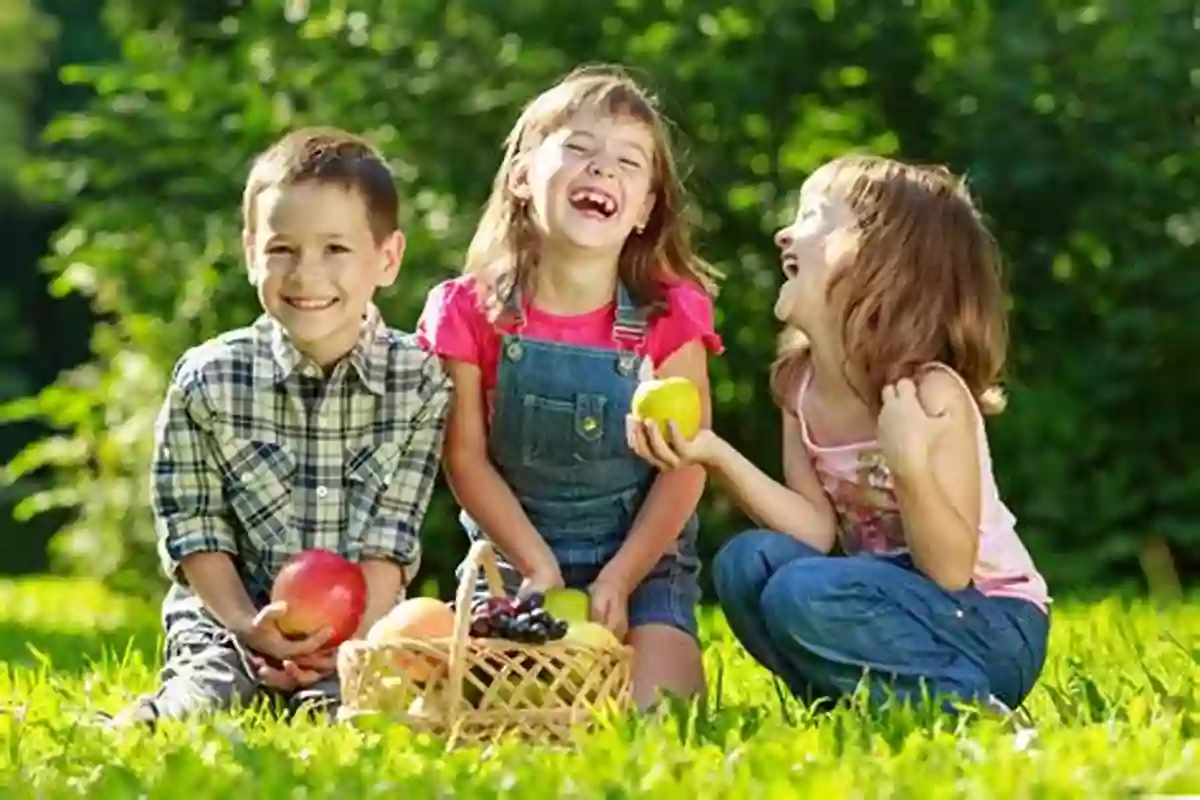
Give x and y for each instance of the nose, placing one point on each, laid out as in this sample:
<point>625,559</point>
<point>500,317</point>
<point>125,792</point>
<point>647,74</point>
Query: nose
<point>307,267</point>
<point>784,238</point>
<point>601,164</point>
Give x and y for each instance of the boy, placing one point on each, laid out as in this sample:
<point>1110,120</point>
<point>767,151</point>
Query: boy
<point>317,426</point>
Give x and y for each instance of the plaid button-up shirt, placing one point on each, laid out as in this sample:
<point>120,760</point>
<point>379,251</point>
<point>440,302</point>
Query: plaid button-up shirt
<point>259,455</point>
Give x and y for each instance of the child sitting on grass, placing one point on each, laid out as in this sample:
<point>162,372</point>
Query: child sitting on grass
<point>580,281</point>
<point>897,323</point>
<point>315,427</point>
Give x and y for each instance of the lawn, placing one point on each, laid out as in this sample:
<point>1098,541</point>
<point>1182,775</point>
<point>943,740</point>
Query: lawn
<point>1117,715</point>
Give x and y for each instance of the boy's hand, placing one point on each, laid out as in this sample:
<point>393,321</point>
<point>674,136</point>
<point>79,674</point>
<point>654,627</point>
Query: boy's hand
<point>262,635</point>
<point>289,676</point>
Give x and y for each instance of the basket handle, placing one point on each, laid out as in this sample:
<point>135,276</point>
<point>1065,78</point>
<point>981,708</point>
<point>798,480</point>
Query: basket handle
<point>481,556</point>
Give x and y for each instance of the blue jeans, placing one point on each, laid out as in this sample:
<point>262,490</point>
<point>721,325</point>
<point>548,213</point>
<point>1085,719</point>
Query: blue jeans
<point>820,622</point>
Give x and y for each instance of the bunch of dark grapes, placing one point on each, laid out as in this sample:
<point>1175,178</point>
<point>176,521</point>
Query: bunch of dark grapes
<point>523,620</point>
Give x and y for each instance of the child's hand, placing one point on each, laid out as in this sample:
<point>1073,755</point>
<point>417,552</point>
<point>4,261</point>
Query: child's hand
<point>542,581</point>
<point>262,635</point>
<point>610,606</point>
<point>289,675</point>
<point>906,430</point>
<point>677,451</point>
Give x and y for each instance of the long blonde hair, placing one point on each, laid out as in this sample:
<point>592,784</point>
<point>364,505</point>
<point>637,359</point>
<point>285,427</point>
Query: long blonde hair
<point>503,253</point>
<point>923,284</point>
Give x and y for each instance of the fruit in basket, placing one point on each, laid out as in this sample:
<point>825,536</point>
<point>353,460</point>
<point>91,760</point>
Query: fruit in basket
<point>525,621</point>
<point>570,605</point>
<point>420,618</point>
<point>320,588</point>
<point>592,634</point>
<point>676,399</point>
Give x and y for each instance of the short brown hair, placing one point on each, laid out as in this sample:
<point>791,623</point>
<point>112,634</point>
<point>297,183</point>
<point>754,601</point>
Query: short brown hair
<point>923,284</point>
<point>329,156</point>
<point>503,253</point>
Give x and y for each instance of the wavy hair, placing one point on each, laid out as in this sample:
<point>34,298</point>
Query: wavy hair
<point>922,284</point>
<point>504,251</point>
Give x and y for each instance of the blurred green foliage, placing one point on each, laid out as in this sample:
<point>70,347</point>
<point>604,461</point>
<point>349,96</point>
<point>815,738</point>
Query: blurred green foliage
<point>1074,121</point>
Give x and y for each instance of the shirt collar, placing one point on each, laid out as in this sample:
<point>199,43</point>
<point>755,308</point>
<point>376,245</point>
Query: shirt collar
<point>368,358</point>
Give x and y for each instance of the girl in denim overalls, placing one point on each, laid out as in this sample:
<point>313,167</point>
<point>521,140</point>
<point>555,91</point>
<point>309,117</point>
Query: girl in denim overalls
<point>579,283</point>
<point>897,316</point>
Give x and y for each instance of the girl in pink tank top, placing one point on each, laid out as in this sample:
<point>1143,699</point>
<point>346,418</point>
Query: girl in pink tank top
<point>895,339</point>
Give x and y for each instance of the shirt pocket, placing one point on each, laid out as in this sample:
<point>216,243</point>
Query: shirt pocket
<point>257,478</point>
<point>563,434</point>
<point>370,471</point>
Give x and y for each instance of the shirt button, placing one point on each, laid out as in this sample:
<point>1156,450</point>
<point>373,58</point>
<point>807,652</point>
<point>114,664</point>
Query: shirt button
<point>589,424</point>
<point>322,491</point>
<point>958,613</point>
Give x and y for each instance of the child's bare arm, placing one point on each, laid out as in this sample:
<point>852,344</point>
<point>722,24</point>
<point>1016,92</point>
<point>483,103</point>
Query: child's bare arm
<point>479,488</point>
<point>673,497</point>
<point>798,507</point>
<point>939,497</point>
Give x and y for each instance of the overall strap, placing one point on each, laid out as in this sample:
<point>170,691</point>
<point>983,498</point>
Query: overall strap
<point>513,306</point>
<point>630,322</point>
<point>629,330</point>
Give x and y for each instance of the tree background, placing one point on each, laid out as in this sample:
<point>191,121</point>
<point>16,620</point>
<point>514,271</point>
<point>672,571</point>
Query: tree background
<point>126,128</point>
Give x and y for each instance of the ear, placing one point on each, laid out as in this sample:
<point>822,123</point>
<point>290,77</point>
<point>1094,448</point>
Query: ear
<point>647,209</point>
<point>248,254</point>
<point>518,178</point>
<point>391,250</point>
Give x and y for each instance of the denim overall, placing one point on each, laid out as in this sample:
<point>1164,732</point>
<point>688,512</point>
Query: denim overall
<point>557,438</point>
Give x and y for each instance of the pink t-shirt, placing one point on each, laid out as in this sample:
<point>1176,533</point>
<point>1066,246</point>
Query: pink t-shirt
<point>453,325</point>
<point>859,485</point>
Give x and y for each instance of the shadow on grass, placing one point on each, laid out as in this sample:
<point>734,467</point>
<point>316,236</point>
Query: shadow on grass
<point>73,652</point>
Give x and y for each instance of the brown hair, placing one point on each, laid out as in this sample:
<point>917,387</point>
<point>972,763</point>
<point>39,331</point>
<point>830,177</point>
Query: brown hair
<point>327,156</point>
<point>503,253</point>
<point>922,284</point>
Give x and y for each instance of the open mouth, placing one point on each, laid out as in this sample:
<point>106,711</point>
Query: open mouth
<point>594,202</point>
<point>310,303</point>
<point>791,266</point>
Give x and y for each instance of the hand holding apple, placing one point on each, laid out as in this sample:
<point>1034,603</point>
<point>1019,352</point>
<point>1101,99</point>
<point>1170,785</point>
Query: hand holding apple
<point>320,589</point>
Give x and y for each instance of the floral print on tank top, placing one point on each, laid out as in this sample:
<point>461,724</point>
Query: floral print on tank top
<point>868,514</point>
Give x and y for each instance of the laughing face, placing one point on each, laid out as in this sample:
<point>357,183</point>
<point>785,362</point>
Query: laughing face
<point>817,240</point>
<point>316,264</point>
<point>590,183</point>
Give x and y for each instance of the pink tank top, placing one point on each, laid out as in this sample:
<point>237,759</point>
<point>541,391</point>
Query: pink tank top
<point>860,489</point>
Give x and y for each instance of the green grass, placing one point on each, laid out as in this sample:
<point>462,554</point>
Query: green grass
<point>1117,715</point>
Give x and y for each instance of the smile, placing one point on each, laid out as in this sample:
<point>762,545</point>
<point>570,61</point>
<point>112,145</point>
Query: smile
<point>594,201</point>
<point>310,304</point>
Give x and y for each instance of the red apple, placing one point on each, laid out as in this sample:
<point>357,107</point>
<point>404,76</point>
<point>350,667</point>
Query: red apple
<point>320,588</point>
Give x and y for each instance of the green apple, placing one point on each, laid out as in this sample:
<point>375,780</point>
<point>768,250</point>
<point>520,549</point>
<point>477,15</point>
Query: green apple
<point>569,605</point>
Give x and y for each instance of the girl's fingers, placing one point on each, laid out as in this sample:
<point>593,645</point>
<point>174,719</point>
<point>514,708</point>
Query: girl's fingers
<point>661,450</point>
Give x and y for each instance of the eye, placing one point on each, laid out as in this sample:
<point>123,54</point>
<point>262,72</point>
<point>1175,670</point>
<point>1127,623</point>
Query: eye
<point>338,249</point>
<point>632,163</point>
<point>575,147</point>
<point>278,250</point>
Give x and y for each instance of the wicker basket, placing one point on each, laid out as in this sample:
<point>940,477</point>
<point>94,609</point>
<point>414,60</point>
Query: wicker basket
<point>480,689</point>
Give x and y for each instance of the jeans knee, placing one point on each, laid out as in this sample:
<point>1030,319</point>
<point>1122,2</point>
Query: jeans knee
<point>810,600</point>
<point>739,568</point>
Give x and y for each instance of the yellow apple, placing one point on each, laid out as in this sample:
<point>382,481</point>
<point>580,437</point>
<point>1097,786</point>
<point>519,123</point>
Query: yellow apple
<point>664,399</point>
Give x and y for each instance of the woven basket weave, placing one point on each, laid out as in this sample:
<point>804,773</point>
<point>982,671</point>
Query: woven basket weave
<point>480,689</point>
